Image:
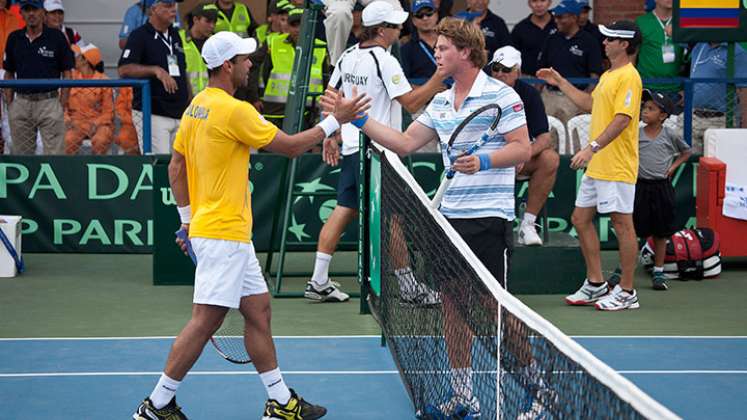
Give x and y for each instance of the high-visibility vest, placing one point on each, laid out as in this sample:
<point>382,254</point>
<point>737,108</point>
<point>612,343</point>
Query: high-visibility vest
<point>262,31</point>
<point>239,23</point>
<point>196,67</point>
<point>283,53</point>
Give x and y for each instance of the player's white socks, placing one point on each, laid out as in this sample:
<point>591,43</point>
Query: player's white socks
<point>164,391</point>
<point>658,269</point>
<point>529,219</point>
<point>461,382</point>
<point>276,388</point>
<point>321,268</point>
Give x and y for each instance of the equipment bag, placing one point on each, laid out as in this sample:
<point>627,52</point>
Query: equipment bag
<point>692,254</point>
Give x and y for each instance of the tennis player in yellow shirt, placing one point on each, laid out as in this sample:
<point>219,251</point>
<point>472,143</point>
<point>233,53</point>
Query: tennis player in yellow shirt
<point>209,177</point>
<point>612,157</point>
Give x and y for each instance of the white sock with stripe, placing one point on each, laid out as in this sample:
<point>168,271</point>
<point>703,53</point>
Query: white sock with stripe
<point>321,268</point>
<point>276,388</point>
<point>164,391</point>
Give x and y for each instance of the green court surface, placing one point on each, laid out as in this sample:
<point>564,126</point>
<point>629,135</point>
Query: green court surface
<point>77,295</point>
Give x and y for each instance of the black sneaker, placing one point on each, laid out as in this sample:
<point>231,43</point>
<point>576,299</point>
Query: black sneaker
<point>659,281</point>
<point>171,411</point>
<point>614,278</point>
<point>295,409</point>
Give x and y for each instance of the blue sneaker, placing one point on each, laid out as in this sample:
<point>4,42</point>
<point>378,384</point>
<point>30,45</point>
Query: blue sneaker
<point>659,280</point>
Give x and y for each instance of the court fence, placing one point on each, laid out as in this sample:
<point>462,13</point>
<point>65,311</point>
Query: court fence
<point>74,117</point>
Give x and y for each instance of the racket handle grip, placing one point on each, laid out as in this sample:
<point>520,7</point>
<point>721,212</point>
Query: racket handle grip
<point>182,234</point>
<point>436,202</point>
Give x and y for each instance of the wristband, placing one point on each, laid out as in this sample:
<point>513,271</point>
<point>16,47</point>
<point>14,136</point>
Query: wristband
<point>360,122</point>
<point>185,214</point>
<point>484,162</point>
<point>329,125</point>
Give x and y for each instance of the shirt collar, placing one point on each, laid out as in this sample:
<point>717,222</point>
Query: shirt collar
<point>475,91</point>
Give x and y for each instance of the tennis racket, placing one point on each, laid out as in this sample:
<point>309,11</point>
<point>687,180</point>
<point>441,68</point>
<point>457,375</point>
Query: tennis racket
<point>228,341</point>
<point>464,133</point>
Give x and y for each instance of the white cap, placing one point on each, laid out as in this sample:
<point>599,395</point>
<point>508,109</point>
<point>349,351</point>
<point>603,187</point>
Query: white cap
<point>224,46</point>
<point>507,56</point>
<point>379,11</point>
<point>52,5</point>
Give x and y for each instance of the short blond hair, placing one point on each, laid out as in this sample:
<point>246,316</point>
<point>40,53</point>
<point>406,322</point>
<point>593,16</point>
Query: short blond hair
<point>464,34</point>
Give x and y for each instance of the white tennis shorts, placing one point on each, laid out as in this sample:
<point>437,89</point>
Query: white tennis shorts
<point>606,196</point>
<point>226,272</point>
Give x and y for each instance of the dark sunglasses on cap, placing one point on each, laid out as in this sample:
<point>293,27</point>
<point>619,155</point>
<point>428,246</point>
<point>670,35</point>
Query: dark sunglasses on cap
<point>500,68</point>
<point>423,15</point>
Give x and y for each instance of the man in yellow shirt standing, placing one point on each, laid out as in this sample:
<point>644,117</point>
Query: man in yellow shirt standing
<point>609,183</point>
<point>209,178</point>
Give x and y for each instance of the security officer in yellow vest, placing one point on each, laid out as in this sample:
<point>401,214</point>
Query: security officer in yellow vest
<point>282,52</point>
<point>234,16</point>
<point>277,21</point>
<point>201,21</point>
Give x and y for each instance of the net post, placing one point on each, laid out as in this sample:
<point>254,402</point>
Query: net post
<point>363,228</point>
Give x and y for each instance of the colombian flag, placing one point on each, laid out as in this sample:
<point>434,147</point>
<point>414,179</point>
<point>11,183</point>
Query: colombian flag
<point>708,14</point>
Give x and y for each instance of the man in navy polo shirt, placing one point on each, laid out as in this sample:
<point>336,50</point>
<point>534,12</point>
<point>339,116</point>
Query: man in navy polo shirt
<point>542,168</point>
<point>154,51</point>
<point>37,52</point>
<point>529,35</point>
<point>492,26</point>
<point>572,53</point>
<point>417,55</point>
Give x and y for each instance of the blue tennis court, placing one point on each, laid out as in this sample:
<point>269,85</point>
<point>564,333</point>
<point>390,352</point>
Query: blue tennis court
<point>353,376</point>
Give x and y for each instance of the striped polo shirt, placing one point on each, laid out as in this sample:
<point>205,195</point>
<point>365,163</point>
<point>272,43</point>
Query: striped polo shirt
<point>488,193</point>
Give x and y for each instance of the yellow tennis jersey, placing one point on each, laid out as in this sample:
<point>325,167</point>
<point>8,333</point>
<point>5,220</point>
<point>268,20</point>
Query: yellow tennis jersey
<point>215,134</point>
<point>618,92</point>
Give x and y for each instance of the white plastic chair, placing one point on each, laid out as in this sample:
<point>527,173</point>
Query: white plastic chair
<point>557,125</point>
<point>579,128</point>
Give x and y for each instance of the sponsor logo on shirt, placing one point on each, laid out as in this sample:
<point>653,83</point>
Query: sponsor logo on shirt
<point>396,79</point>
<point>197,112</point>
<point>518,107</point>
<point>488,33</point>
<point>628,98</point>
<point>575,50</point>
<point>44,52</point>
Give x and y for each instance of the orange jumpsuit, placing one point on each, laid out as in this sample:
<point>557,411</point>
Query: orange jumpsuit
<point>89,115</point>
<point>127,135</point>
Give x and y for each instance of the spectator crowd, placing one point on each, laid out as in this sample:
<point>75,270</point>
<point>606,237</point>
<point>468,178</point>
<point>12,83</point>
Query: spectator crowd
<point>156,45</point>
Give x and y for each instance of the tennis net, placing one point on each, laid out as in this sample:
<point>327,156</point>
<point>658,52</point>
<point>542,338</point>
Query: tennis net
<point>464,346</point>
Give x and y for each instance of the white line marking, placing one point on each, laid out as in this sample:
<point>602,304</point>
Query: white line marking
<point>282,337</point>
<point>197,373</point>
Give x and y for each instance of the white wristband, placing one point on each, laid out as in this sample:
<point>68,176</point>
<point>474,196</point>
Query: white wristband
<point>329,125</point>
<point>185,214</point>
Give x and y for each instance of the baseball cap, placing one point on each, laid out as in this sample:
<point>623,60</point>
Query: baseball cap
<point>152,2</point>
<point>661,100</point>
<point>90,52</point>
<point>206,10</point>
<point>420,4</point>
<point>281,6</point>
<point>295,15</point>
<point>567,7</point>
<point>224,46</point>
<point>379,11</point>
<point>36,4</point>
<point>507,56</point>
<point>584,4</point>
<point>52,5</point>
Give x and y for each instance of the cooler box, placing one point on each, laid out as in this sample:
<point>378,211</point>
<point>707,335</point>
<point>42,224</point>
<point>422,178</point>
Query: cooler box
<point>709,208</point>
<point>11,226</point>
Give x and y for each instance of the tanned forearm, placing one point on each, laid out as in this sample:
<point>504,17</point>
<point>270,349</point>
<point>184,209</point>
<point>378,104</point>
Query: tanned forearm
<point>178,179</point>
<point>517,150</point>
<point>421,95</point>
<point>541,142</point>
<point>579,97</point>
<point>613,130</point>
<point>400,143</point>
<point>137,71</point>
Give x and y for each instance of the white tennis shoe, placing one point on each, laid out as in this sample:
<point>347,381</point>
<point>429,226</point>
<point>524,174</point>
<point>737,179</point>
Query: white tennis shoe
<point>618,300</point>
<point>327,292</point>
<point>528,235</point>
<point>587,294</point>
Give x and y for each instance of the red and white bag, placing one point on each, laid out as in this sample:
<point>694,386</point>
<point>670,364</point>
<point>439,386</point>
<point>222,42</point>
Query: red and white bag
<point>692,254</point>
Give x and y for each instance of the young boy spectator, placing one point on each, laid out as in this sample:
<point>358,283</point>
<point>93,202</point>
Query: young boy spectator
<point>654,207</point>
<point>529,35</point>
<point>90,111</point>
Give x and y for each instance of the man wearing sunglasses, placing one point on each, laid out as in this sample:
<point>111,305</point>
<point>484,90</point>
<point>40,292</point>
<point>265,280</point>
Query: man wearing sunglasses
<point>542,168</point>
<point>417,55</point>
<point>612,157</point>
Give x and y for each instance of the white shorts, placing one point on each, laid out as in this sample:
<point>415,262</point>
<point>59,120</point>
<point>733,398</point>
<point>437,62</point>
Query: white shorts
<point>606,196</point>
<point>226,272</point>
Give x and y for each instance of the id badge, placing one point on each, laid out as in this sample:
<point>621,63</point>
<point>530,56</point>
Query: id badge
<point>173,65</point>
<point>667,53</point>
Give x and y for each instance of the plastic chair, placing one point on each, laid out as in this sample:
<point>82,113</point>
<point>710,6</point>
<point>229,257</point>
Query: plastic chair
<point>579,128</point>
<point>559,128</point>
